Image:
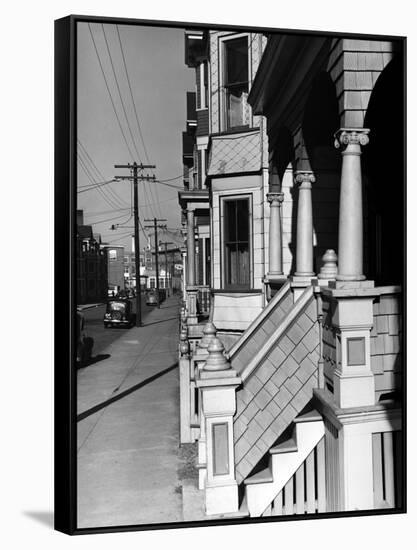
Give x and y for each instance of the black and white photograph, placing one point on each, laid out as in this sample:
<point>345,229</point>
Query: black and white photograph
<point>239,274</point>
<point>208,228</point>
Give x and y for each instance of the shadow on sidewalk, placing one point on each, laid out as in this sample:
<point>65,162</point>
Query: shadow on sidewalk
<point>111,400</point>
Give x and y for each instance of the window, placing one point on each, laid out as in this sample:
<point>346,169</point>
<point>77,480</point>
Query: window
<point>236,243</point>
<point>236,82</point>
<point>112,255</point>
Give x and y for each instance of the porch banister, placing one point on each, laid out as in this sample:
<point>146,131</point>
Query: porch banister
<point>350,250</point>
<point>304,250</point>
<point>275,235</point>
<point>190,247</point>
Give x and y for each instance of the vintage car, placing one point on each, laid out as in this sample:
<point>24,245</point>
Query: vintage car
<point>118,313</point>
<point>152,297</point>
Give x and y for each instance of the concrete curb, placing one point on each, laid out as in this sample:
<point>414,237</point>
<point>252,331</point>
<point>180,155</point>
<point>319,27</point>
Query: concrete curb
<point>89,306</point>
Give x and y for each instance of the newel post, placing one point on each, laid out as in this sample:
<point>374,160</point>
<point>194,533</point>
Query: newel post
<point>185,376</point>
<point>218,383</point>
<point>200,358</point>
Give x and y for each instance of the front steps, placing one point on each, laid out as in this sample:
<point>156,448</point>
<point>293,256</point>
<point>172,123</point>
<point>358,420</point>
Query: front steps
<point>285,460</point>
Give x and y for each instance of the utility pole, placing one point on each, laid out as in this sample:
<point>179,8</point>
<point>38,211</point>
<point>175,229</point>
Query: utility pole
<point>155,228</point>
<point>135,176</point>
<point>166,267</point>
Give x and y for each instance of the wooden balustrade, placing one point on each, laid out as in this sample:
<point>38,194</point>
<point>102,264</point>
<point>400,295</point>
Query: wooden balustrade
<point>305,491</point>
<point>386,458</point>
<point>203,300</point>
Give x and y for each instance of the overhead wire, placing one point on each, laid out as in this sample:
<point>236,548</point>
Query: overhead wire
<point>90,177</point>
<point>116,198</point>
<point>155,196</point>
<point>109,92</point>
<point>91,187</point>
<point>120,93</point>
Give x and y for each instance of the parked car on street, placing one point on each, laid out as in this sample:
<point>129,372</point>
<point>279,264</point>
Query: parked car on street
<point>118,313</point>
<point>151,297</point>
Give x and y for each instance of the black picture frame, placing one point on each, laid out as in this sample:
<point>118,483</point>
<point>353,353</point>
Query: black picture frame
<point>65,294</point>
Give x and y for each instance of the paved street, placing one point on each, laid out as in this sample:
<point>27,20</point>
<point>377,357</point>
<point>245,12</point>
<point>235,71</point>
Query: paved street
<point>129,460</point>
<point>95,328</point>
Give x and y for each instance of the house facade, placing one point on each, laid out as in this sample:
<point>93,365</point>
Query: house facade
<point>292,385</point>
<point>91,264</point>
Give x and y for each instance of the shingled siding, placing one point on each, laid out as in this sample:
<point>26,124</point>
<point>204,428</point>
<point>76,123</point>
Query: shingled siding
<point>386,357</point>
<point>277,390</point>
<point>262,331</point>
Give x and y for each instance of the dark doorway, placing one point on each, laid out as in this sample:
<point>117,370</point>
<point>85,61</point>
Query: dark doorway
<point>383,165</point>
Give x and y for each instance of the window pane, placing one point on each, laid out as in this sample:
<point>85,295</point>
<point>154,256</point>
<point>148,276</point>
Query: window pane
<point>231,264</point>
<point>236,243</point>
<point>243,263</point>
<point>230,221</point>
<point>236,61</point>
<point>242,220</point>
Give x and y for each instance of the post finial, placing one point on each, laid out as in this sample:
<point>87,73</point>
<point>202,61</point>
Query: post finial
<point>216,359</point>
<point>329,267</point>
<point>209,332</point>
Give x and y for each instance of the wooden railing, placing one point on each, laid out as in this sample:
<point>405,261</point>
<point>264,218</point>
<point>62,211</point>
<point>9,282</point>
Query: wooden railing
<point>387,463</point>
<point>305,491</point>
<point>203,300</point>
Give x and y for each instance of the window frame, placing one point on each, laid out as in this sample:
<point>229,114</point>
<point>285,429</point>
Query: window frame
<point>223,200</point>
<point>224,125</point>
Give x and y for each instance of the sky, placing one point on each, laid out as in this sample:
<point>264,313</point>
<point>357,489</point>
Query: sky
<point>148,64</point>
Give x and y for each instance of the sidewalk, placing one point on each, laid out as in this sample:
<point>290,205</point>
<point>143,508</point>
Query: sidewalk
<point>130,467</point>
<point>84,307</point>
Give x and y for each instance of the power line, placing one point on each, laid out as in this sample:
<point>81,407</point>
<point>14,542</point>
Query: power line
<point>90,177</point>
<point>120,93</point>
<point>155,196</point>
<point>94,214</point>
<point>131,95</point>
<point>113,195</point>
<point>109,92</point>
<point>171,179</point>
<point>110,219</point>
<point>118,238</point>
<point>98,188</point>
<point>85,188</point>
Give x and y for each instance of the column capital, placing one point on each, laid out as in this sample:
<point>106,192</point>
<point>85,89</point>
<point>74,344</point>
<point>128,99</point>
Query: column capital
<point>351,136</point>
<point>275,197</point>
<point>304,176</point>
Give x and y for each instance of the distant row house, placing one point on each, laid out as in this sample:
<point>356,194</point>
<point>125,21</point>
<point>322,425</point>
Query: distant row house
<point>292,207</point>
<point>91,264</point>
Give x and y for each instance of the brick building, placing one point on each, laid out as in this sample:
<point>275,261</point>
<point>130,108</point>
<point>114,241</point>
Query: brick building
<point>91,264</point>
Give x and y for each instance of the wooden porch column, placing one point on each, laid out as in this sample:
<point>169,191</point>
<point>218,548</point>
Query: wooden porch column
<point>190,247</point>
<point>275,235</point>
<point>350,250</point>
<point>304,251</point>
<point>184,270</point>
